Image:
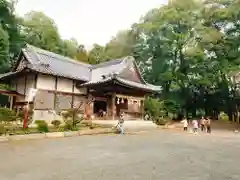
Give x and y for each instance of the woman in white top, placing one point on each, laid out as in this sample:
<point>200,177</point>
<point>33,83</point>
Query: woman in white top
<point>195,125</point>
<point>185,124</point>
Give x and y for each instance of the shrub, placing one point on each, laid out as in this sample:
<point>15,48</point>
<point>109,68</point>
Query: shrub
<point>68,125</point>
<point>7,115</point>
<point>42,126</point>
<point>223,116</point>
<point>2,129</point>
<point>161,121</point>
<point>153,108</point>
<point>72,115</point>
<point>56,123</point>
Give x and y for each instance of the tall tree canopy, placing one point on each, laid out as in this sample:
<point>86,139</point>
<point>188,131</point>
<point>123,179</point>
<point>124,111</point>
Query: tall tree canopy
<point>4,50</point>
<point>189,48</point>
<point>41,31</point>
<point>10,26</point>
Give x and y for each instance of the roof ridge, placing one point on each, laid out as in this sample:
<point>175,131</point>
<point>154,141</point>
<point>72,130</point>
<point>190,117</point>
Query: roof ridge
<point>108,63</point>
<point>55,55</point>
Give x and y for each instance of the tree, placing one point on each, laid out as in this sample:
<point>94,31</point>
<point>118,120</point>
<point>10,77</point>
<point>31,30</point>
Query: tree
<point>69,48</point>
<point>9,23</point>
<point>82,54</point>
<point>188,48</point>
<point>4,50</point>
<point>97,54</point>
<point>41,31</point>
<point>120,46</point>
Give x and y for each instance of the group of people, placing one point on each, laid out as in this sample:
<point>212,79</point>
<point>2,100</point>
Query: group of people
<point>204,124</point>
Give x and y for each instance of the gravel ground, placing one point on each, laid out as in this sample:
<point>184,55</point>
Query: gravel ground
<point>161,155</point>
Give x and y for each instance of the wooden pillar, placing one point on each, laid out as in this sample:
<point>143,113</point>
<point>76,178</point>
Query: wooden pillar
<point>113,106</point>
<point>11,102</point>
<point>142,109</point>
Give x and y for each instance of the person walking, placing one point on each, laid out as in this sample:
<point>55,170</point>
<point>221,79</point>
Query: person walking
<point>202,124</point>
<point>185,124</point>
<point>208,125</point>
<point>195,126</point>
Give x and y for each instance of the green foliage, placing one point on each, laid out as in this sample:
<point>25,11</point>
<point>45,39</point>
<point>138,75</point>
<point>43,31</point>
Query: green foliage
<point>223,116</point>
<point>2,129</point>
<point>10,24</point>
<point>190,48</point>
<point>41,31</point>
<point>161,121</point>
<point>72,117</point>
<point>56,123</point>
<point>153,107</point>
<point>42,126</point>
<point>82,54</point>
<point>97,54</point>
<point>7,115</point>
<point>69,126</point>
<point>4,50</point>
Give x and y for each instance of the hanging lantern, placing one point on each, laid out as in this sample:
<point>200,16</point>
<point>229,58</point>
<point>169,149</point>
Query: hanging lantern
<point>122,101</point>
<point>118,100</point>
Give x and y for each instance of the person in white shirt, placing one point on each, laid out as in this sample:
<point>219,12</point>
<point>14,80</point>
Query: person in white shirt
<point>195,125</point>
<point>185,124</point>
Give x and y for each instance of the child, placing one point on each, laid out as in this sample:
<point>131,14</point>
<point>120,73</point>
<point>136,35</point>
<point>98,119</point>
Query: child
<point>185,124</point>
<point>195,126</point>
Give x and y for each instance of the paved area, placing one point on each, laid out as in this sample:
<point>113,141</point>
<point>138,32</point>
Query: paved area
<point>161,155</point>
<point>130,125</point>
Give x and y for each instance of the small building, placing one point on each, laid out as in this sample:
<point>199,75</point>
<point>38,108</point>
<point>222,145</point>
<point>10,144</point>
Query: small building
<point>111,87</point>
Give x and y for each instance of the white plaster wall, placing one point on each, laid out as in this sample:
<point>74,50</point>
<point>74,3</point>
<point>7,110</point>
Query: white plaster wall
<point>46,82</point>
<point>79,90</point>
<point>46,115</point>
<point>20,85</point>
<point>64,85</point>
<point>30,82</point>
<point>43,115</point>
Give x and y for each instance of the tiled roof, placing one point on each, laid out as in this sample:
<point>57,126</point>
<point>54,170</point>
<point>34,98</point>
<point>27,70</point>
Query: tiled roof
<point>118,80</point>
<point>10,74</point>
<point>51,63</point>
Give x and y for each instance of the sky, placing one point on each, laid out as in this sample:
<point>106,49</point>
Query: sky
<point>90,21</point>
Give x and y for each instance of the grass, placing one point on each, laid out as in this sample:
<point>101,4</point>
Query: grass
<point>18,130</point>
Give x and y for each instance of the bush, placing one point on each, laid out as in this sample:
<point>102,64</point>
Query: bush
<point>2,129</point>
<point>56,123</point>
<point>7,115</point>
<point>161,121</point>
<point>69,126</point>
<point>42,126</point>
<point>223,116</point>
<point>73,116</point>
<point>153,108</point>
